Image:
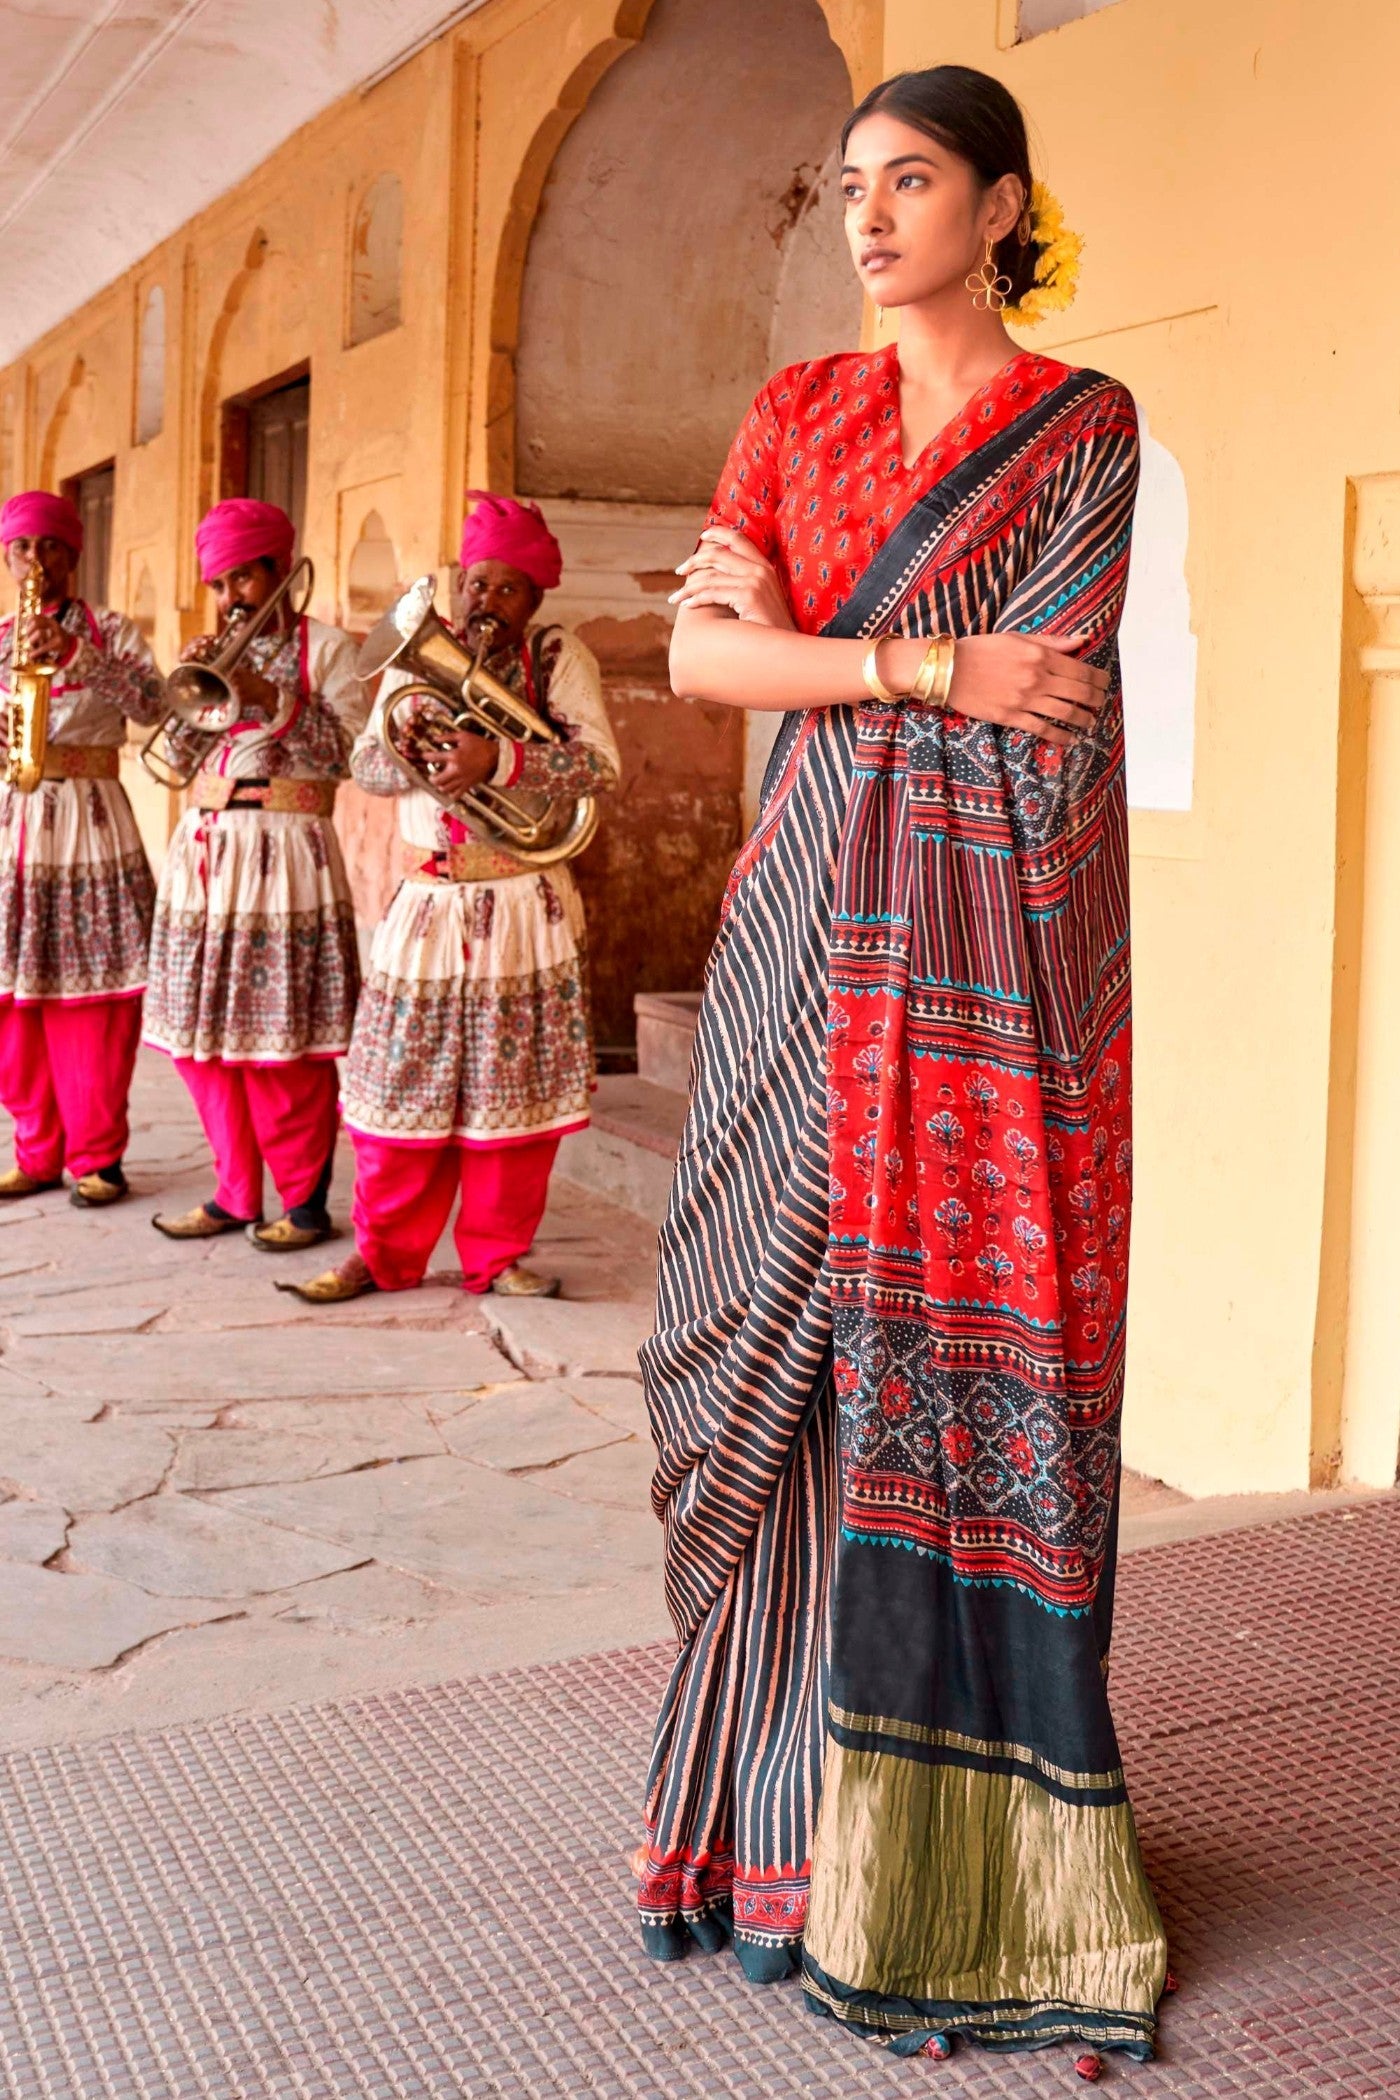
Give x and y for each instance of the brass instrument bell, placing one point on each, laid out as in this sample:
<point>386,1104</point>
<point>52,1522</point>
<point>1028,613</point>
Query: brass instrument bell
<point>538,829</point>
<point>202,695</point>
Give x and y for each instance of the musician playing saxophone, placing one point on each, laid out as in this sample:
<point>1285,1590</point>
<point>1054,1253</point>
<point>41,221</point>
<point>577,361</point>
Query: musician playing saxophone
<point>473,1050</point>
<point>75,888</point>
<point>254,967</point>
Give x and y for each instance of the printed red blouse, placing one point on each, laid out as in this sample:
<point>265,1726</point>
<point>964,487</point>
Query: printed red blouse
<point>816,476</point>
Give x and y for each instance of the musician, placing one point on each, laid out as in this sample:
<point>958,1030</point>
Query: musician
<point>473,1052</point>
<point>254,967</point>
<point>75,887</point>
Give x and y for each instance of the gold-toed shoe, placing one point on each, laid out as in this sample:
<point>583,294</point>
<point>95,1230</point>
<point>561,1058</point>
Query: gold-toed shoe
<point>520,1282</point>
<point>334,1286</point>
<point>197,1224</point>
<point>283,1237</point>
<point>15,1182</point>
<point>96,1191</point>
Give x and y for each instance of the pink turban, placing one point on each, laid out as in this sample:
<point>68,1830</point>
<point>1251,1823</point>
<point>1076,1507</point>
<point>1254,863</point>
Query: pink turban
<point>36,515</point>
<point>500,529</point>
<point>238,531</point>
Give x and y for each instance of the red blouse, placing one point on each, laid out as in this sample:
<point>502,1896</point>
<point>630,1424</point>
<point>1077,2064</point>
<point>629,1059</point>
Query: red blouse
<point>816,476</point>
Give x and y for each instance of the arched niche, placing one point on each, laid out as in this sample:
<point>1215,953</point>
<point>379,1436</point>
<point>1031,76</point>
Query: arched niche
<point>150,367</point>
<point>687,210</point>
<point>371,574</point>
<point>376,261</point>
<point>67,405</point>
<point>1155,641</point>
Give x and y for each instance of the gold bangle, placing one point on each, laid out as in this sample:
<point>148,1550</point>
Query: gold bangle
<point>935,673</point>
<point>943,680</point>
<point>870,672</point>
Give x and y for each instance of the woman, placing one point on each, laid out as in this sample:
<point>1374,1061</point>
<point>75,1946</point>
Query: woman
<point>886,1381</point>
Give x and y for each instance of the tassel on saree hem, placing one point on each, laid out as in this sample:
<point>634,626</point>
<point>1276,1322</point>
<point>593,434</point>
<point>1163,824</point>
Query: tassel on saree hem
<point>906,2027</point>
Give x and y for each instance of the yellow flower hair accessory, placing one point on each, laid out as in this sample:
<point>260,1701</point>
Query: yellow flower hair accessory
<point>1056,266</point>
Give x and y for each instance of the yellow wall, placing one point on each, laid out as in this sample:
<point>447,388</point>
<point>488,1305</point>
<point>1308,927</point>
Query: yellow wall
<point>1230,167</point>
<point>1232,170</point>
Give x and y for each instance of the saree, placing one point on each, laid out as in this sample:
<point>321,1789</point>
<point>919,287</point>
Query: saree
<point>887,1376</point>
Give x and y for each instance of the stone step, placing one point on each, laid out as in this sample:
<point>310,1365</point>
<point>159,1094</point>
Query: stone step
<point>665,1037</point>
<point>628,1151</point>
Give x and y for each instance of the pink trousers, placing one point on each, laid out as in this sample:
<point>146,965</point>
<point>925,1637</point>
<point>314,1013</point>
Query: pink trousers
<point>65,1074</point>
<point>283,1115</point>
<point>403,1199</point>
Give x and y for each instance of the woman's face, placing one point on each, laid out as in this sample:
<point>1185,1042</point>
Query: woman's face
<point>917,217</point>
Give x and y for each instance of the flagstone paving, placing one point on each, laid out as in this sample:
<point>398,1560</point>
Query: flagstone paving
<point>213,1496</point>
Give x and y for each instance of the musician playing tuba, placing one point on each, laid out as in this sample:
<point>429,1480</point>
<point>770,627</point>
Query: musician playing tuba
<point>473,1051</point>
<point>75,888</point>
<point>254,967</point>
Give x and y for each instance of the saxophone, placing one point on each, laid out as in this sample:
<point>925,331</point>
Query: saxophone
<point>27,711</point>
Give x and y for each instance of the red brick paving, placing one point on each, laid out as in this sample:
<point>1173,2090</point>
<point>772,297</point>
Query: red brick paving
<point>426,1894</point>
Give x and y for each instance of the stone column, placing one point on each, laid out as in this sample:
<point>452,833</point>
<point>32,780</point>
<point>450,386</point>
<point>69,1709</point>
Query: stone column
<point>1371,1387</point>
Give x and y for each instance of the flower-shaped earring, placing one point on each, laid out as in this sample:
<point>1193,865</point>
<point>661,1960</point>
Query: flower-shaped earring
<point>990,288</point>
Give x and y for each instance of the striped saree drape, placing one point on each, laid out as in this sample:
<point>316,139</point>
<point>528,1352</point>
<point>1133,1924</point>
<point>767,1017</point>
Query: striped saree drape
<point>887,1374</point>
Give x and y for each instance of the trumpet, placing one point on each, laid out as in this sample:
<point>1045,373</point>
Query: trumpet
<point>460,693</point>
<point>202,696</point>
<point>27,711</point>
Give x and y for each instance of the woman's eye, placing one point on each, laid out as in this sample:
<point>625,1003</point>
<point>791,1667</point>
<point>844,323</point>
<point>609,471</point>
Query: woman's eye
<point>849,192</point>
<point>907,182</point>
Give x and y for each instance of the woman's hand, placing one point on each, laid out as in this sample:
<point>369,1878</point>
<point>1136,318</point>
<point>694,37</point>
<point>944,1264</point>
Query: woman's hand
<point>1016,681</point>
<point>727,570</point>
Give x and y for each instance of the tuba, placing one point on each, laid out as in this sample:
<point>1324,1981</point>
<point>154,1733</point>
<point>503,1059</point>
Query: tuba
<point>538,829</point>
<point>201,695</point>
<point>27,711</point>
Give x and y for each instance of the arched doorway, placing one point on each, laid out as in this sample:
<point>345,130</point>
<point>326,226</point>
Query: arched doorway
<point>687,243</point>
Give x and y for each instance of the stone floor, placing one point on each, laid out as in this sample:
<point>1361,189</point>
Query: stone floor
<point>424,1895</point>
<point>214,1498</point>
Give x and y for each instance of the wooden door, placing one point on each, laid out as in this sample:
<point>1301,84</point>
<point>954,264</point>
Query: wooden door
<point>278,425</point>
<point>93,493</point>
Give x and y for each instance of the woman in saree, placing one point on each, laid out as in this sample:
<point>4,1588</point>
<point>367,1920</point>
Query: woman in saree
<point>887,1374</point>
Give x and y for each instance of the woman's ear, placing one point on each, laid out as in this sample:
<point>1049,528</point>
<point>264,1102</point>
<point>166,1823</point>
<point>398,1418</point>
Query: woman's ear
<point>1005,200</point>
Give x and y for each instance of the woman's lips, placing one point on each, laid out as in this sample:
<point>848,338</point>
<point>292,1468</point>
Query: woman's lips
<point>878,259</point>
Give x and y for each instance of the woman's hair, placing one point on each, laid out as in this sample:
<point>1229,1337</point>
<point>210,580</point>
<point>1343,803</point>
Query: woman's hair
<point>975,117</point>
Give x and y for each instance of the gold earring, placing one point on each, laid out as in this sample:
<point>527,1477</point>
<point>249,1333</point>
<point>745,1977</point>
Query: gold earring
<point>989,287</point>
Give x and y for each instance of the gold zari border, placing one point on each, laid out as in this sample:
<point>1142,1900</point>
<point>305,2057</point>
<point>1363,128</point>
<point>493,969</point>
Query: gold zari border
<point>974,1746</point>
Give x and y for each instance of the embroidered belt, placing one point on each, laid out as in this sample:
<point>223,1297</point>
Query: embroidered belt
<point>290,795</point>
<point>82,762</point>
<point>469,860</point>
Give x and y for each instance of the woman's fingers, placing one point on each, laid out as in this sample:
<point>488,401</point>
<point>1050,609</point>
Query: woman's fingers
<point>717,541</point>
<point>1072,670</point>
<point>1082,696</point>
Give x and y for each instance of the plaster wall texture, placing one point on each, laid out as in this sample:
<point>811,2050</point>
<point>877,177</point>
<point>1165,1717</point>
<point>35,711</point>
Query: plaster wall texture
<point>1221,283</point>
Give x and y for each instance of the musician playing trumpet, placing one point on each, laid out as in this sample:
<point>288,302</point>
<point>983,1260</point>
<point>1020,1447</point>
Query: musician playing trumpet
<point>254,967</point>
<point>473,1049</point>
<point>75,887</point>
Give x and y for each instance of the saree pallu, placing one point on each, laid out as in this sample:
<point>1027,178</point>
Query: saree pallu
<point>900,1227</point>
